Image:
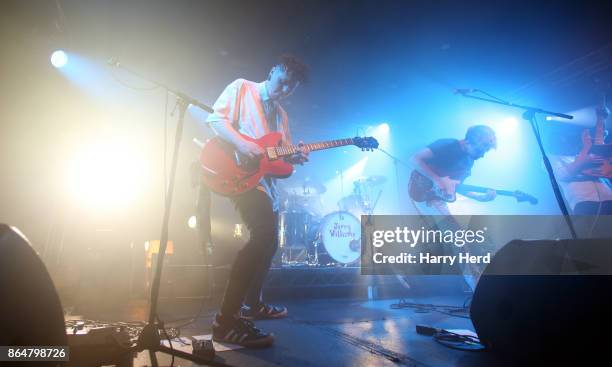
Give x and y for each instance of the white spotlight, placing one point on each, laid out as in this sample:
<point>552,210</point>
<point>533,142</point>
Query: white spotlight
<point>192,222</point>
<point>107,175</point>
<point>59,58</point>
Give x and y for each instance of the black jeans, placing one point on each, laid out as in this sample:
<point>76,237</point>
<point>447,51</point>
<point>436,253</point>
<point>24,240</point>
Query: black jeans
<point>253,261</point>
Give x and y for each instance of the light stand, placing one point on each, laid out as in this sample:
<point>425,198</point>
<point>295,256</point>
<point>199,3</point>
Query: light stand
<point>529,114</point>
<point>149,339</point>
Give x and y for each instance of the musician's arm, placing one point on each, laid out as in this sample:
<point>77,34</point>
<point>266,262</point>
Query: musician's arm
<point>446,184</point>
<point>226,131</point>
<point>221,121</point>
<point>569,171</point>
<point>419,162</point>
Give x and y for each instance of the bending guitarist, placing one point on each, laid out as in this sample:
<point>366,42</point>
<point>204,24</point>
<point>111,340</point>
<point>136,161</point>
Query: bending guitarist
<point>254,109</point>
<point>439,168</point>
<point>448,162</point>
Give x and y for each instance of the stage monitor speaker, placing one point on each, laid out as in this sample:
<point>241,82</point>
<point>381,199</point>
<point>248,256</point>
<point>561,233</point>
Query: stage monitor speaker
<point>30,308</point>
<point>547,310</point>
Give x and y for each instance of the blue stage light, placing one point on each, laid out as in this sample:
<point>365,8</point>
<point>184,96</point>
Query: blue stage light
<point>380,132</point>
<point>59,58</point>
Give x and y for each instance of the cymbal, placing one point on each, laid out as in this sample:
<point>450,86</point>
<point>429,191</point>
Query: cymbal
<point>371,180</point>
<point>305,188</point>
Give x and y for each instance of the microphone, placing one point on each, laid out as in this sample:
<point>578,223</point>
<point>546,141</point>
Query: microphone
<point>464,90</point>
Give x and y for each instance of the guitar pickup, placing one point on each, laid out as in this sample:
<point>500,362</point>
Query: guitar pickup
<point>271,153</point>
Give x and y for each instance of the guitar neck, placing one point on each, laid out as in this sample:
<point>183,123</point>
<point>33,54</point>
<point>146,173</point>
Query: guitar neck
<point>600,125</point>
<point>480,189</point>
<point>287,150</point>
<point>598,139</point>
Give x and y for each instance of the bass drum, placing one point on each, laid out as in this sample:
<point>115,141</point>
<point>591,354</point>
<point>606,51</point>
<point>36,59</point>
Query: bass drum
<point>340,234</point>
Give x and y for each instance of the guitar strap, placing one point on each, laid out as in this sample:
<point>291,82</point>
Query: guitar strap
<point>271,116</point>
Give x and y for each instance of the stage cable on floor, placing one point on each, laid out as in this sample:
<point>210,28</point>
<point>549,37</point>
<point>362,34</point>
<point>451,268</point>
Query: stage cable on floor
<point>455,311</point>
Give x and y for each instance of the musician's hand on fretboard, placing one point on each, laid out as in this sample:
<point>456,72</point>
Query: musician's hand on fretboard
<point>300,157</point>
<point>490,195</point>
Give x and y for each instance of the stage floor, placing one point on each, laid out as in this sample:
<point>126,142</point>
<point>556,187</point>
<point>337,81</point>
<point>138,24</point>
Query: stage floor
<point>337,332</point>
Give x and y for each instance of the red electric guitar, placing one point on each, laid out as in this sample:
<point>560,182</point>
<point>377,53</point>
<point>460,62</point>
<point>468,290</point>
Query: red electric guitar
<point>229,173</point>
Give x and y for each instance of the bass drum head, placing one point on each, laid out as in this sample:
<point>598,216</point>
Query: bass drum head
<point>341,236</point>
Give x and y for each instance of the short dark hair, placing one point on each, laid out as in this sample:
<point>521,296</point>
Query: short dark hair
<point>293,65</point>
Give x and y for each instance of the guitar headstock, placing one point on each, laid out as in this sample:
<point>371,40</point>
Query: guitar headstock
<point>365,143</point>
<point>521,196</point>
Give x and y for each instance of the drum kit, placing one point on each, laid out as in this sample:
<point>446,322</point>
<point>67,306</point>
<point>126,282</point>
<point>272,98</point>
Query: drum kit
<point>310,236</point>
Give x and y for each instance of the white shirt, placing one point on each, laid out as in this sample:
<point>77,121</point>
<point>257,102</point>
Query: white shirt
<point>579,189</point>
<point>244,104</point>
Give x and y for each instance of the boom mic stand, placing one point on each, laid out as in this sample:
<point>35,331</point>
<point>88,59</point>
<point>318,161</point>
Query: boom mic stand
<point>529,114</point>
<point>149,339</point>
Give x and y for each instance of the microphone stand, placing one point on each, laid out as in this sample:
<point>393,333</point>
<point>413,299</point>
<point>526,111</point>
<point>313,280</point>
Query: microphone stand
<point>149,338</point>
<point>529,114</point>
<point>395,160</point>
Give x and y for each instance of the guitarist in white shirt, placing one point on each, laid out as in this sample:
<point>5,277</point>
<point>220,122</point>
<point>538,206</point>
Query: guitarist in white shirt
<point>253,109</point>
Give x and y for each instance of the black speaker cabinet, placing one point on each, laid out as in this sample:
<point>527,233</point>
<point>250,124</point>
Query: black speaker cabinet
<point>546,299</point>
<point>30,309</point>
